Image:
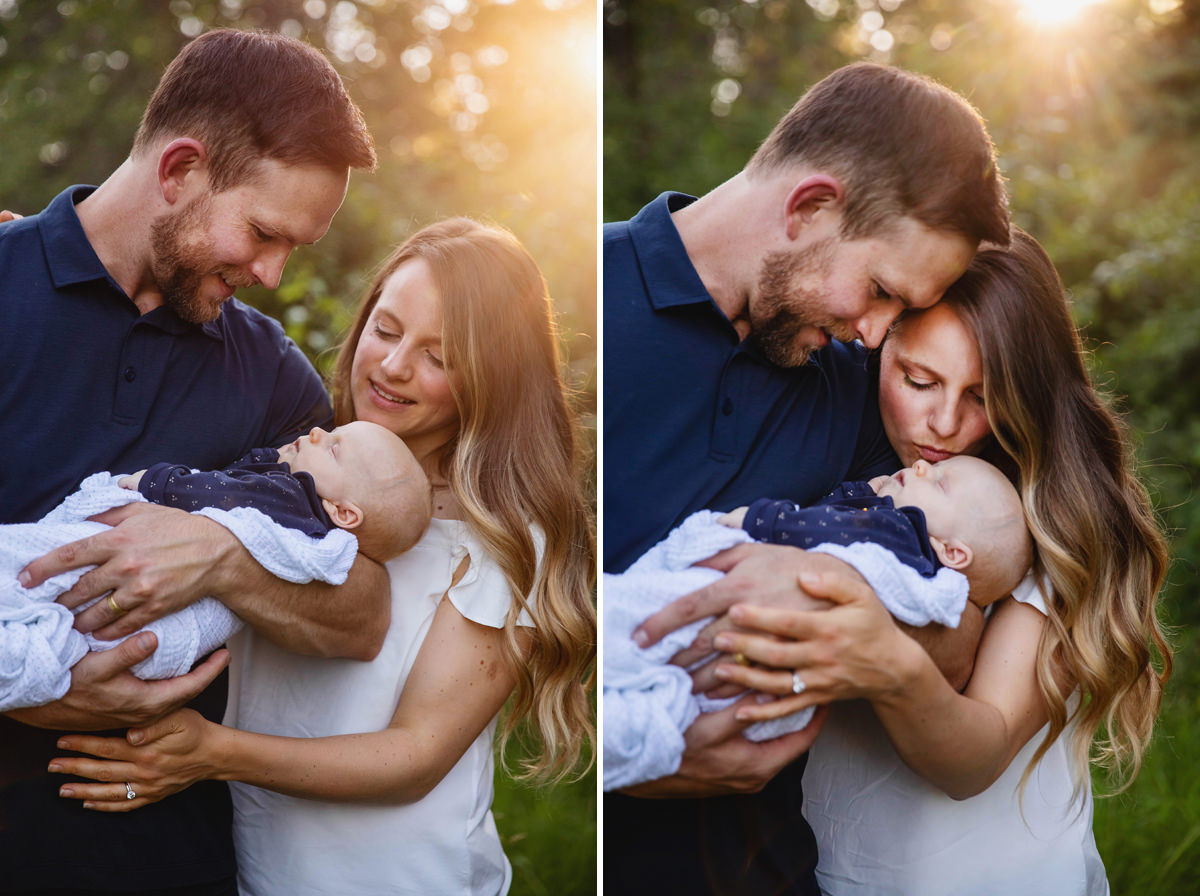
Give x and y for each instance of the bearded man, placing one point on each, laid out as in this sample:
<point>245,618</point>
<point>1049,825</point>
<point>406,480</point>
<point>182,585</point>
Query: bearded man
<point>122,346</point>
<point>728,375</point>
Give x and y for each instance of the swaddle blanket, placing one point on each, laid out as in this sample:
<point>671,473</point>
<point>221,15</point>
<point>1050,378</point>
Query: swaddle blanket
<point>38,644</point>
<point>648,703</point>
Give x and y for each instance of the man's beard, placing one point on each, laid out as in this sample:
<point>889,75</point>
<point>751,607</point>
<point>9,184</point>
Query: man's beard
<point>782,309</point>
<point>176,265</point>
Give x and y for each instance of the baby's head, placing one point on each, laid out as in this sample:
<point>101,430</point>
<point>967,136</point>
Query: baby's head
<point>369,483</point>
<point>974,517</point>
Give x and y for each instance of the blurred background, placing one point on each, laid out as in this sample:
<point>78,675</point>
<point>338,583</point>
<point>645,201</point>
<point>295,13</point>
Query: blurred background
<point>1095,111</point>
<point>485,108</point>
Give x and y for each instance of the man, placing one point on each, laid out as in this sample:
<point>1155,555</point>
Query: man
<point>121,347</point>
<point>725,380</point>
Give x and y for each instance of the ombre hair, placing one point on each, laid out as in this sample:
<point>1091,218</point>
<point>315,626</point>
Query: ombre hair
<point>1099,545</point>
<point>515,467</point>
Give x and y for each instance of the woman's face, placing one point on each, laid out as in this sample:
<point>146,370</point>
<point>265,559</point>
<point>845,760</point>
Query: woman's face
<point>399,378</point>
<point>931,388</point>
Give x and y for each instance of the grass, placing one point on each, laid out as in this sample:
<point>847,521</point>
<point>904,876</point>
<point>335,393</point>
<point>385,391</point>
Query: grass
<point>1149,836</point>
<point>549,836</point>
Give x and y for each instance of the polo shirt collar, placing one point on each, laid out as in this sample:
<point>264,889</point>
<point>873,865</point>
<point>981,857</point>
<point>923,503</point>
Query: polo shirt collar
<point>670,278</point>
<point>71,259</point>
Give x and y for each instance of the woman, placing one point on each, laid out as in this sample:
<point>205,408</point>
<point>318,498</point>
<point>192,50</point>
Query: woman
<point>996,368</point>
<point>453,350</point>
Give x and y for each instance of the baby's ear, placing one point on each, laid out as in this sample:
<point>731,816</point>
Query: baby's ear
<point>345,515</point>
<point>952,552</point>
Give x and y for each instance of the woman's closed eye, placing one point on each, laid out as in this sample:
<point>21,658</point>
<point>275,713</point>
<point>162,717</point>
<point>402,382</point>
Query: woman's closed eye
<point>383,333</point>
<point>919,385</point>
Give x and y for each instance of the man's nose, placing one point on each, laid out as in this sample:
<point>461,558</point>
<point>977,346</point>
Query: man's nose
<point>873,326</point>
<point>267,268</point>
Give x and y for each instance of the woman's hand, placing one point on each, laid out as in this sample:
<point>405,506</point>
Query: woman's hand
<point>157,761</point>
<point>810,658</point>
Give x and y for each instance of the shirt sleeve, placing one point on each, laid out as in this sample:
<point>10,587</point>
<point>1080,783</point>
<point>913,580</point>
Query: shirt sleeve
<point>1027,593</point>
<point>483,594</point>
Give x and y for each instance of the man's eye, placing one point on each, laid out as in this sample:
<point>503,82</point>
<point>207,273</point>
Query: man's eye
<point>260,234</point>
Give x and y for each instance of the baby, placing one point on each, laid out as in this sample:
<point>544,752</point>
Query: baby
<point>297,509</point>
<point>924,538</point>
<point>961,513</point>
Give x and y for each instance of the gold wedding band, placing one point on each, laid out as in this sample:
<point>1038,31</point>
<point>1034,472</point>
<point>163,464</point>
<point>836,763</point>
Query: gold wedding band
<point>114,606</point>
<point>740,659</point>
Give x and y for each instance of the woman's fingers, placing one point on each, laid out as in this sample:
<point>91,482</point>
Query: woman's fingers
<point>775,709</point>
<point>104,747</point>
<point>97,769</point>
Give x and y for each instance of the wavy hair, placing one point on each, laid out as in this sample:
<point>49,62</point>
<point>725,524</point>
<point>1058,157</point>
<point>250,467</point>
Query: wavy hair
<point>515,468</point>
<point>1099,543</point>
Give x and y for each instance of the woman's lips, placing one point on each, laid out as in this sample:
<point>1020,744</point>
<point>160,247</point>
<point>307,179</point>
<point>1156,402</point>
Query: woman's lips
<point>933,455</point>
<point>386,398</point>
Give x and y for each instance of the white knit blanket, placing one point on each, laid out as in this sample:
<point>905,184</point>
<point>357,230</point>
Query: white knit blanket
<point>38,644</point>
<point>648,703</point>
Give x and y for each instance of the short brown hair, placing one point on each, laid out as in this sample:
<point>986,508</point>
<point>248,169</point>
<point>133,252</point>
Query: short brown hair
<point>249,95</point>
<point>901,144</point>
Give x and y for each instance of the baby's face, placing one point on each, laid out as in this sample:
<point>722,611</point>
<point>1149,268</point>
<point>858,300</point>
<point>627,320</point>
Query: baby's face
<point>947,491</point>
<point>338,461</point>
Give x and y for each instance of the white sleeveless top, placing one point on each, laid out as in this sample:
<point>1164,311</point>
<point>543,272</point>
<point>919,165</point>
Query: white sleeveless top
<point>445,843</point>
<point>882,830</point>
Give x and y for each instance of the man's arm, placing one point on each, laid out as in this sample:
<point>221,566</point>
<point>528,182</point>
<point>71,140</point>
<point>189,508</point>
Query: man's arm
<point>156,560</point>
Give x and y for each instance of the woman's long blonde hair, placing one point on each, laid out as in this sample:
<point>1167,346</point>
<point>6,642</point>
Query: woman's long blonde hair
<point>1099,543</point>
<point>515,466</point>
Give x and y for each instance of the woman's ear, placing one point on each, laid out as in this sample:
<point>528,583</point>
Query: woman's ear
<point>952,552</point>
<point>180,165</point>
<point>813,194</point>
<point>345,514</point>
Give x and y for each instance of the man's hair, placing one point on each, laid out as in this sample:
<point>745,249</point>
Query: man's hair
<point>901,144</point>
<point>249,95</point>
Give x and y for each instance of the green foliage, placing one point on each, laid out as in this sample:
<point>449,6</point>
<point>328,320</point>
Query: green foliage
<point>1097,124</point>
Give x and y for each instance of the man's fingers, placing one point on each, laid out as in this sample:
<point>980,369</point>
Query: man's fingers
<point>725,560</point>
<point>115,515</point>
<point>84,552</point>
<point>174,692</point>
<point>107,664</point>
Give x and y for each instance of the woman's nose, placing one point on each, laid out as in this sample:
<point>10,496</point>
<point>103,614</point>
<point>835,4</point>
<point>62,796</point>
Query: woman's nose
<point>943,420</point>
<point>396,365</point>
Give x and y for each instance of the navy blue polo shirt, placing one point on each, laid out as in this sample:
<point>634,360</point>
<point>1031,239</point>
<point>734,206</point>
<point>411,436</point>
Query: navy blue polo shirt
<point>88,384</point>
<point>695,419</point>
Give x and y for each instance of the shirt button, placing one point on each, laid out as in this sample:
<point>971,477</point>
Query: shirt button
<point>727,407</point>
<point>130,374</point>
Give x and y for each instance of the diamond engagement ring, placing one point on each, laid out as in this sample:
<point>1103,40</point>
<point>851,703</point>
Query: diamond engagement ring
<point>129,794</point>
<point>797,684</point>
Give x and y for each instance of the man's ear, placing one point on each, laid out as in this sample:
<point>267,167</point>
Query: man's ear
<point>809,196</point>
<point>952,552</point>
<point>180,164</point>
<point>345,514</point>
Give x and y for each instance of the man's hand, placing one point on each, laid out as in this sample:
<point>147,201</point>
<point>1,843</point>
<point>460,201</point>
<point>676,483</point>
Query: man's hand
<point>718,760</point>
<point>155,560</point>
<point>105,694</point>
<point>765,575</point>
